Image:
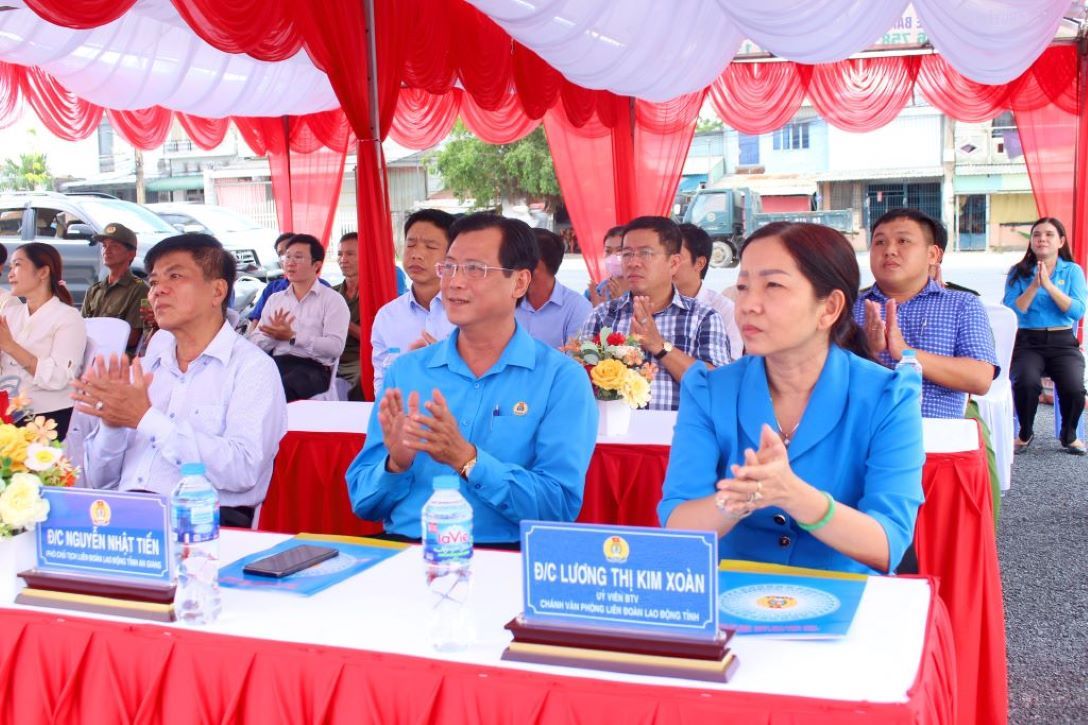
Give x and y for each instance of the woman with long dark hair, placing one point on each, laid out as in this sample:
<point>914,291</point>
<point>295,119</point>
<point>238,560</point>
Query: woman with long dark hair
<point>42,341</point>
<point>805,451</point>
<point>1046,290</point>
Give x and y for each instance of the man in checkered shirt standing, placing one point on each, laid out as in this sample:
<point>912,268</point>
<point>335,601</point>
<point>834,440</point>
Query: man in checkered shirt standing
<point>675,331</point>
<point>907,309</point>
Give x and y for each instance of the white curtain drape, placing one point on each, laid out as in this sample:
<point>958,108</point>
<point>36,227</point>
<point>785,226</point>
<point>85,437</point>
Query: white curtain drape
<point>659,49</point>
<point>651,49</point>
<point>150,57</point>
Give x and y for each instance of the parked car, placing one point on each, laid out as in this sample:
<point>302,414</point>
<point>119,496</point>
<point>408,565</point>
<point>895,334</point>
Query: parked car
<point>68,222</point>
<point>253,245</point>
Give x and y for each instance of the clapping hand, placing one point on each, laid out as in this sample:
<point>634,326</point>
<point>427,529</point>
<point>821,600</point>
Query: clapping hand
<point>644,327</point>
<point>279,326</point>
<point>765,479</point>
<point>424,340</point>
<point>7,340</point>
<point>1042,278</point>
<point>115,391</point>
<point>438,434</point>
<point>392,418</point>
<point>884,335</point>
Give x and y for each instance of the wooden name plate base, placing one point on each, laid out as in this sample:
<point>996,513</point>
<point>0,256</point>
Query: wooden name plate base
<point>89,594</point>
<point>622,652</point>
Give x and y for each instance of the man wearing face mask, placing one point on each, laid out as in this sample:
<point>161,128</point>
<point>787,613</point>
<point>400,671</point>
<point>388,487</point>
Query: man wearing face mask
<point>615,285</point>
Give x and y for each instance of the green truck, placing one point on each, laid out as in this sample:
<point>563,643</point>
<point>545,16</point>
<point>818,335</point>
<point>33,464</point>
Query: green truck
<point>729,215</point>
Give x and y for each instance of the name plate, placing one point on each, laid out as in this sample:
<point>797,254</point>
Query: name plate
<point>651,581</point>
<point>105,534</point>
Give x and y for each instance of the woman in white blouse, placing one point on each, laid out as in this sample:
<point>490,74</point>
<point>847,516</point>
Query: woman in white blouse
<point>42,341</point>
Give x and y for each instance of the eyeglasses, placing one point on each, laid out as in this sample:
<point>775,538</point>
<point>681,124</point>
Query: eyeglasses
<point>472,270</point>
<point>628,255</point>
<point>302,259</point>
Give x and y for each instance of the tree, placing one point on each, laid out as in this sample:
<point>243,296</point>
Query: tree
<point>488,173</point>
<point>29,173</point>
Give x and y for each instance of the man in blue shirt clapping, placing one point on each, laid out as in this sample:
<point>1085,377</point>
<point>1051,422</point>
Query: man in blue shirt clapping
<point>514,417</point>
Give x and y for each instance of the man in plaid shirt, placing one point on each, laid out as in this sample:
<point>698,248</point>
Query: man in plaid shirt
<point>674,330</point>
<point>906,309</point>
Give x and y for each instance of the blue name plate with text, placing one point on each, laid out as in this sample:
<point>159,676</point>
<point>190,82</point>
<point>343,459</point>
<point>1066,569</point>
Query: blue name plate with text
<point>105,534</point>
<point>628,578</point>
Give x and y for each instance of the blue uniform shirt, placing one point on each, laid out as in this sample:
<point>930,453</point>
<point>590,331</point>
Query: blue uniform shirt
<point>1043,311</point>
<point>943,322</point>
<point>558,320</point>
<point>860,439</point>
<point>532,418</point>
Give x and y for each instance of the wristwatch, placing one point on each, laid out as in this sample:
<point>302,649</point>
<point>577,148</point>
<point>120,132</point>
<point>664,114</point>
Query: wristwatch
<point>665,350</point>
<point>466,469</point>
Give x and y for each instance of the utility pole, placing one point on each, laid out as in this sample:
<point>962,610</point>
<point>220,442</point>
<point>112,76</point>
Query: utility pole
<point>141,195</point>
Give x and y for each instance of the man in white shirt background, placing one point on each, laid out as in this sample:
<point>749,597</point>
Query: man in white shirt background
<point>551,312</point>
<point>305,326</point>
<point>694,262</point>
<point>205,394</point>
<point>416,318</point>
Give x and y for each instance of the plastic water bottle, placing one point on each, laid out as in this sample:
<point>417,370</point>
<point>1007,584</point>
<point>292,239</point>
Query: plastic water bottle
<point>447,559</point>
<point>194,522</point>
<point>909,361</point>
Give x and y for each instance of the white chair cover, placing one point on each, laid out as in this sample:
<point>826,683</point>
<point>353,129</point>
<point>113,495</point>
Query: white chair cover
<point>996,407</point>
<point>333,393</point>
<point>105,335</point>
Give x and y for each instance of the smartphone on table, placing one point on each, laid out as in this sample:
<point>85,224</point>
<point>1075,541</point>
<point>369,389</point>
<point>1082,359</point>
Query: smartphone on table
<point>290,561</point>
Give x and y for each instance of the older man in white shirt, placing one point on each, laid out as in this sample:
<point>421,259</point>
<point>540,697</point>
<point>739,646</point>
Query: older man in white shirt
<point>203,394</point>
<point>304,327</point>
<point>694,261</point>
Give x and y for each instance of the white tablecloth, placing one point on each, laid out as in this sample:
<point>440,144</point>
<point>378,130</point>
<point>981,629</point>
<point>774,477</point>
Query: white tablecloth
<point>648,427</point>
<point>382,609</point>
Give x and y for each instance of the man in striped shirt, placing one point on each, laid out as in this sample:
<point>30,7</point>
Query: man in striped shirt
<point>675,331</point>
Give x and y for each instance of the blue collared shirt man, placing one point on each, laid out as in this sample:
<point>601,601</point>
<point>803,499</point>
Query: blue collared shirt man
<point>557,320</point>
<point>534,422</point>
<point>514,417</point>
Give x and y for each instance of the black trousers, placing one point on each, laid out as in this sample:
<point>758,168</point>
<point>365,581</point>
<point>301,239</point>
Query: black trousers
<point>302,377</point>
<point>1057,355</point>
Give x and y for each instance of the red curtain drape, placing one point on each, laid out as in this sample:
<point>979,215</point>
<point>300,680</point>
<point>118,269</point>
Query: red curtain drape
<point>423,118</point>
<point>662,138</point>
<point>505,123</point>
<point>144,128</point>
<point>264,29</point>
<point>862,94</point>
<point>81,14</point>
<point>63,113</point>
<point>207,133</point>
<point>1049,138</point>
<point>757,98</point>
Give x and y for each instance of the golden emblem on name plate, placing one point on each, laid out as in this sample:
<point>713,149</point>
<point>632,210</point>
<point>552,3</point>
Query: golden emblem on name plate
<point>100,513</point>
<point>616,549</point>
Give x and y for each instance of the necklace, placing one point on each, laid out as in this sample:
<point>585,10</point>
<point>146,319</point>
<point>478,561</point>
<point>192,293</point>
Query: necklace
<point>786,437</point>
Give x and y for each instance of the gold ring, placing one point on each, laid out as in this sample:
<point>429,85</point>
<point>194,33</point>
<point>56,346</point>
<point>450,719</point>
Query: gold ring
<point>99,405</point>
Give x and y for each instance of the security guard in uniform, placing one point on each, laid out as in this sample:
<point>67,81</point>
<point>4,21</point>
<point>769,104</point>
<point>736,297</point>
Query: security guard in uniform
<point>120,294</point>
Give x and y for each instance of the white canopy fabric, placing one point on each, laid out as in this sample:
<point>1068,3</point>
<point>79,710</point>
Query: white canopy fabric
<point>651,49</point>
<point>660,49</point>
<point>150,57</point>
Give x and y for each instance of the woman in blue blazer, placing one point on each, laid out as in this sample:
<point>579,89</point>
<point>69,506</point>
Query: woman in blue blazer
<point>805,452</point>
<point>1046,290</point>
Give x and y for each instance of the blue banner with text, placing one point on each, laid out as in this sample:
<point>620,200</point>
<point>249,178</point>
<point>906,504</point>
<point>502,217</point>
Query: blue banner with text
<point>105,534</point>
<point>644,580</point>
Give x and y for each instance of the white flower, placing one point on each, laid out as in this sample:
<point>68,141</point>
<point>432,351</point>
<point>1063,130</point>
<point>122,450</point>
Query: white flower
<point>622,351</point>
<point>41,458</point>
<point>21,503</point>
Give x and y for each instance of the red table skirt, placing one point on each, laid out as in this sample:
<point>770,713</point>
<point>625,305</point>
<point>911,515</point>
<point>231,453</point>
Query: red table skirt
<point>65,669</point>
<point>954,538</point>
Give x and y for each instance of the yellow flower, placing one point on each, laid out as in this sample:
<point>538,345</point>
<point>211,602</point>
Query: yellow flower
<point>608,374</point>
<point>41,430</point>
<point>13,445</point>
<point>21,503</point>
<point>635,389</point>
<point>41,458</point>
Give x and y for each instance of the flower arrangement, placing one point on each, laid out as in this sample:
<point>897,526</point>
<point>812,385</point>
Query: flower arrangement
<point>616,365</point>
<point>30,457</point>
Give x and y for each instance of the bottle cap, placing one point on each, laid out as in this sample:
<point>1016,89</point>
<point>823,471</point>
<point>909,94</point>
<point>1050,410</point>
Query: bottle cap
<point>393,350</point>
<point>446,483</point>
<point>192,469</point>
<point>909,353</point>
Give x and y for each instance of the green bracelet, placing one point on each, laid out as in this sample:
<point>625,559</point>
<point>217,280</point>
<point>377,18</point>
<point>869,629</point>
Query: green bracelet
<point>827,517</point>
